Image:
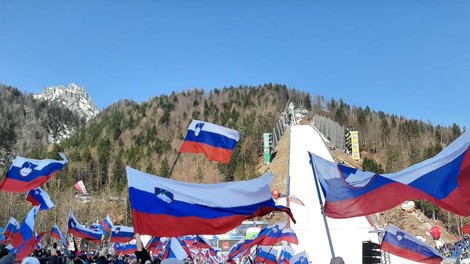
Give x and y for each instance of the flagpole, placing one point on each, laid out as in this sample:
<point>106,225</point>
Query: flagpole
<point>177,157</point>
<point>322,207</point>
<point>174,163</point>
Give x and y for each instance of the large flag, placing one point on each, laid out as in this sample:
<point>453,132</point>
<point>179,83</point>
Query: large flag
<point>11,228</point>
<point>57,234</point>
<point>214,141</point>
<point>107,223</point>
<point>27,174</point>
<point>25,232</point>
<point>78,230</point>
<point>174,250</point>
<point>266,254</point>
<point>80,186</point>
<point>443,180</point>
<point>402,244</point>
<point>40,198</point>
<point>121,234</point>
<point>28,247</point>
<point>182,208</point>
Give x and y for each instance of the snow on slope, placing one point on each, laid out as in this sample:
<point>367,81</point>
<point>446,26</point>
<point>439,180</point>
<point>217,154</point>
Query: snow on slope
<point>347,235</point>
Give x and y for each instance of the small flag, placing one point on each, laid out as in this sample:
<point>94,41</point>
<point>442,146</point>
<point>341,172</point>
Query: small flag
<point>80,186</point>
<point>107,223</point>
<point>402,244</point>
<point>57,234</point>
<point>11,227</point>
<point>174,250</point>
<point>215,142</point>
<point>295,199</point>
<point>121,234</point>
<point>27,174</point>
<point>300,258</point>
<point>78,230</point>
<point>124,249</point>
<point>39,197</point>
<point>266,254</point>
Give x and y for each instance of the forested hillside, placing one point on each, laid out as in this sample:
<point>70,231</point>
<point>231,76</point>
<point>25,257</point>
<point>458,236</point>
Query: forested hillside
<point>147,137</point>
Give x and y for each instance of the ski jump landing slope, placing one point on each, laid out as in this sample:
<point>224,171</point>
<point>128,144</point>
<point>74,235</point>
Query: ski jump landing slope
<point>348,234</point>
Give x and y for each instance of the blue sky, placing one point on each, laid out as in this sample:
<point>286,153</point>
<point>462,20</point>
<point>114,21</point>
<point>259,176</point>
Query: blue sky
<point>410,58</point>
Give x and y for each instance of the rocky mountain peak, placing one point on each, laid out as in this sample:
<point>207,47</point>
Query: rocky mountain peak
<point>73,97</point>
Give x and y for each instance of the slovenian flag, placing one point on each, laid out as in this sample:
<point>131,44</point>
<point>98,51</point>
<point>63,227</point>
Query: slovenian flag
<point>78,230</point>
<point>107,223</point>
<point>27,174</point>
<point>215,142</point>
<point>80,186</point>
<point>28,247</point>
<point>286,254</point>
<point>153,242</point>
<point>174,250</point>
<point>266,254</point>
<point>25,232</point>
<point>124,249</point>
<point>182,208</point>
<point>279,233</point>
<point>57,234</point>
<point>11,227</point>
<point>121,234</point>
<point>40,198</point>
<point>442,180</point>
<point>300,258</point>
<point>402,244</point>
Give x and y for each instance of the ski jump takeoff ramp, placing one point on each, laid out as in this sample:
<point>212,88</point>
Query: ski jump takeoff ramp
<point>348,234</point>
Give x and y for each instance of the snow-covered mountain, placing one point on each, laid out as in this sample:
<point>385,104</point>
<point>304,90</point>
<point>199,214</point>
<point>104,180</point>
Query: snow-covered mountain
<point>73,97</point>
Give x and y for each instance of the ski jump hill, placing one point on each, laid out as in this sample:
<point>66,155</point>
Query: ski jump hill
<point>348,234</point>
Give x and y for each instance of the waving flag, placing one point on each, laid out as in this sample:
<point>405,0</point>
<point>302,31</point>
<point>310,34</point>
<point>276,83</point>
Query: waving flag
<point>247,244</point>
<point>28,247</point>
<point>11,227</point>
<point>80,186</point>
<point>124,249</point>
<point>27,174</point>
<point>182,208</point>
<point>40,198</point>
<point>443,180</point>
<point>266,254</point>
<point>153,242</point>
<point>202,242</point>
<point>279,233</point>
<point>294,199</point>
<point>216,142</point>
<point>300,258</point>
<point>25,232</point>
<point>402,244</point>
<point>107,223</point>
<point>174,250</point>
<point>121,234</point>
<point>78,230</point>
<point>57,234</point>
<point>286,254</point>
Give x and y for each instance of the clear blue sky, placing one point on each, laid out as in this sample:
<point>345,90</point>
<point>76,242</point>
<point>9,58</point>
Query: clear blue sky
<point>410,58</point>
